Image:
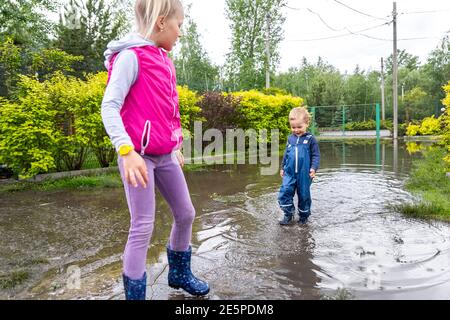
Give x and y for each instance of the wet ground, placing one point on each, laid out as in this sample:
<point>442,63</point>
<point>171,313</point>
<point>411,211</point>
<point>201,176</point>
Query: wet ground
<point>68,245</point>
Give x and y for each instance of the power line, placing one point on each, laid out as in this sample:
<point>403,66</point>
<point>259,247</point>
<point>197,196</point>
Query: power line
<point>323,20</point>
<point>367,36</point>
<point>360,12</point>
<point>315,13</point>
<point>357,33</point>
<point>430,11</point>
<point>348,34</point>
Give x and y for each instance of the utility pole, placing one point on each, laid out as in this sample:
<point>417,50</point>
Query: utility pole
<point>383,113</point>
<point>268,51</point>
<point>395,74</point>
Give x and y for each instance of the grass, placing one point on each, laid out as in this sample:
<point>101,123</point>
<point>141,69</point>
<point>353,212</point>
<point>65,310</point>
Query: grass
<point>72,183</point>
<point>99,181</point>
<point>13,279</point>
<point>423,210</point>
<point>429,181</point>
<point>340,294</point>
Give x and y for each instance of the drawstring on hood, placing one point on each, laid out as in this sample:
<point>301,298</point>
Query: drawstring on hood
<point>131,40</point>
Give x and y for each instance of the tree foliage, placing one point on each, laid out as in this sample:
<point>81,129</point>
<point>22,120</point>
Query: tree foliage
<point>86,27</point>
<point>194,68</point>
<point>247,62</point>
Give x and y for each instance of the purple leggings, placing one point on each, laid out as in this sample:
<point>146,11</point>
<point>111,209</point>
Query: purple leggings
<point>164,172</point>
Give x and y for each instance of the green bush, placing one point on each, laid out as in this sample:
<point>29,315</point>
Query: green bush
<point>30,140</point>
<point>189,109</point>
<point>220,111</point>
<point>52,125</point>
<point>430,126</point>
<point>445,119</point>
<point>259,111</point>
<point>88,120</point>
<point>368,125</point>
<point>413,130</point>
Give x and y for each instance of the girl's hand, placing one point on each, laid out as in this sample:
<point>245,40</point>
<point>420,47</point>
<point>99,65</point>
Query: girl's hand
<point>135,169</point>
<point>282,173</point>
<point>180,157</point>
<point>312,173</point>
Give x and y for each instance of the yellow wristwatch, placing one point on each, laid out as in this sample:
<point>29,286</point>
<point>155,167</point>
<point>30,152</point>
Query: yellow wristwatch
<point>125,149</point>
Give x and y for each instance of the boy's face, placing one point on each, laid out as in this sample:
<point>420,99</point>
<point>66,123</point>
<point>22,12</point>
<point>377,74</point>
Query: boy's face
<point>298,127</point>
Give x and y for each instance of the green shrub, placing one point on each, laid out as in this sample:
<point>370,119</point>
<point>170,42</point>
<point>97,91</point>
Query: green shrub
<point>259,111</point>
<point>430,126</point>
<point>445,119</point>
<point>220,111</point>
<point>412,130</point>
<point>189,109</point>
<point>30,140</point>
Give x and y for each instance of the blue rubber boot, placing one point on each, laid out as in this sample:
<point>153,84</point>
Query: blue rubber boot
<point>302,221</point>
<point>135,289</point>
<point>286,219</point>
<point>180,275</point>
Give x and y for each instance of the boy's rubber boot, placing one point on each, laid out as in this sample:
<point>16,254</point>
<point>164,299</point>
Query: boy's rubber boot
<point>135,289</point>
<point>303,217</point>
<point>180,275</point>
<point>286,219</point>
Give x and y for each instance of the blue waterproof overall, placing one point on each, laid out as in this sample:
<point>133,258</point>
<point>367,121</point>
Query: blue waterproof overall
<point>301,155</point>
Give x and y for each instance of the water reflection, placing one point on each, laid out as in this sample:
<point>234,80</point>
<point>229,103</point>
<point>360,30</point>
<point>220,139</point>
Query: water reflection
<point>355,240</point>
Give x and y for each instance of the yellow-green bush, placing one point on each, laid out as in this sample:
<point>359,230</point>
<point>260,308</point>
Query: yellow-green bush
<point>89,122</point>
<point>430,126</point>
<point>29,140</point>
<point>413,130</point>
<point>189,109</point>
<point>445,119</point>
<point>260,111</point>
<point>52,124</point>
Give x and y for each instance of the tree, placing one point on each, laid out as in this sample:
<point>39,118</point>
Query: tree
<point>10,60</point>
<point>25,21</point>
<point>437,70</point>
<point>247,61</point>
<point>194,68</point>
<point>86,27</point>
<point>404,59</point>
<point>49,61</point>
<point>413,103</point>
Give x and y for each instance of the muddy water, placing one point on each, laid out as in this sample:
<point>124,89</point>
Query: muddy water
<point>356,246</point>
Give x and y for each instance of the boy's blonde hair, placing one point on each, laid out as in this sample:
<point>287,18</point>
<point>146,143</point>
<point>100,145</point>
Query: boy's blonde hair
<point>148,11</point>
<point>300,114</point>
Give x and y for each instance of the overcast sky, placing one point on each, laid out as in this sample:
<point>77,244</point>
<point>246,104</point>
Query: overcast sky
<point>342,52</point>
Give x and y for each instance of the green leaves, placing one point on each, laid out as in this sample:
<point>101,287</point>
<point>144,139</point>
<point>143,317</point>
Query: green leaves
<point>52,125</point>
<point>86,27</point>
<point>194,68</point>
<point>247,61</point>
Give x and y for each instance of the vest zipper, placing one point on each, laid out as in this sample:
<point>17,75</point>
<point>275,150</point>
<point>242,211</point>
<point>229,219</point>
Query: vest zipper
<point>145,141</point>
<point>296,155</point>
<point>171,83</point>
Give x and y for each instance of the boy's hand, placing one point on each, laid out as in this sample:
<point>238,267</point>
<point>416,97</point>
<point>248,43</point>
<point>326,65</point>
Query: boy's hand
<point>312,173</point>
<point>282,173</point>
<point>135,169</point>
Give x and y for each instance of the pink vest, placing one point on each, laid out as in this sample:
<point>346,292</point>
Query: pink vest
<point>150,112</point>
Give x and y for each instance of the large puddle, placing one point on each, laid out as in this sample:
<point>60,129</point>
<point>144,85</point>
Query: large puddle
<point>68,245</point>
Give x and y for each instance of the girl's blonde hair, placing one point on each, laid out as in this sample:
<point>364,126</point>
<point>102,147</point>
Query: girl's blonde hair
<point>148,11</point>
<point>300,114</point>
